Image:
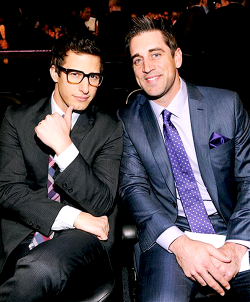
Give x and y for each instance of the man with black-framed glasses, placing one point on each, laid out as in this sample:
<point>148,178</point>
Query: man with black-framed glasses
<point>54,226</point>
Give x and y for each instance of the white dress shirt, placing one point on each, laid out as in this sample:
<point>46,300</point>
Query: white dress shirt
<point>67,215</point>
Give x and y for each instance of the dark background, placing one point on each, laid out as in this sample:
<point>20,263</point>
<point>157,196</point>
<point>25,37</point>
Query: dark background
<point>54,9</point>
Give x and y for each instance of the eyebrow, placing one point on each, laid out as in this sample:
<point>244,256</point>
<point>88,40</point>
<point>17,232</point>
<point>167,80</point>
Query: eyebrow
<point>150,50</point>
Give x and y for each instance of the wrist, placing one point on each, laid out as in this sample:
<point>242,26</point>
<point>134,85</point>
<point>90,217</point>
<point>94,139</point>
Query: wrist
<point>174,246</point>
<point>237,248</point>
<point>59,149</point>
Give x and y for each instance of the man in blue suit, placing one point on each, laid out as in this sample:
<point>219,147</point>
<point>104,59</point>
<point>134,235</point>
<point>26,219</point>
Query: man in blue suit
<point>215,131</point>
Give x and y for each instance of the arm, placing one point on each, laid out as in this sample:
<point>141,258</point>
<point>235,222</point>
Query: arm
<point>151,216</point>
<point>25,200</point>
<point>23,194</point>
<point>89,182</point>
<point>237,240</point>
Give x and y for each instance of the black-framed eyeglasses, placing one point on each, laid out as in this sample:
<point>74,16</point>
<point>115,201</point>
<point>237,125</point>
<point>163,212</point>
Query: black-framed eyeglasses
<point>76,76</point>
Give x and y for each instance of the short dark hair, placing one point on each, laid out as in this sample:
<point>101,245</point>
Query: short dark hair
<point>78,44</point>
<point>145,24</point>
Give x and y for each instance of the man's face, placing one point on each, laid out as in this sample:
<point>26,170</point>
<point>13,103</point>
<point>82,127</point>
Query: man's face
<point>77,95</point>
<point>154,67</point>
<point>86,13</point>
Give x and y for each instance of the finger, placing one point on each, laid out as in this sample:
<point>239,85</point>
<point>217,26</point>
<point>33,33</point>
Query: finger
<point>103,238</point>
<point>200,280</point>
<point>218,278</point>
<point>106,224</point>
<point>68,115</point>
<point>47,117</point>
<point>219,255</point>
<point>211,282</point>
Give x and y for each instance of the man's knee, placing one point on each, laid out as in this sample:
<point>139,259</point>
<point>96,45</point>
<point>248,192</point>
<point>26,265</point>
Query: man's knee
<point>38,273</point>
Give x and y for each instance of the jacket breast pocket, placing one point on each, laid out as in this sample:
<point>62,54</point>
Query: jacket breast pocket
<point>222,157</point>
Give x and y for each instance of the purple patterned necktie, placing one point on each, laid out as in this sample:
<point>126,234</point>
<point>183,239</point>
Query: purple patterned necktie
<point>38,237</point>
<point>186,184</point>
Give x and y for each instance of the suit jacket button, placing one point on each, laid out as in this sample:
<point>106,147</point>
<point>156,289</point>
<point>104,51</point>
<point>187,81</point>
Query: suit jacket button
<point>175,204</point>
<point>38,227</point>
<point>64,185</point>
<point>31,223</point>
<point>70,190</point>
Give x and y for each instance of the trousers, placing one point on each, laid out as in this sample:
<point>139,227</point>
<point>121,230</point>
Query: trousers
<point>72,257</point>
<point>161,279</point>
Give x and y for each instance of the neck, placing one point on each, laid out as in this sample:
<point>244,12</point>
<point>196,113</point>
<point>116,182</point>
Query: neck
<point>170,94</point>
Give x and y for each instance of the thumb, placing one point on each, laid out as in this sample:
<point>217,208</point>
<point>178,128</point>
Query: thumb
<point>68,115</point>
<point>219,255</point>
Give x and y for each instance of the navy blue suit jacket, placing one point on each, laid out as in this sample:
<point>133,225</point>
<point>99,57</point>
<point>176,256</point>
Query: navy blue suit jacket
<point>146,178</point>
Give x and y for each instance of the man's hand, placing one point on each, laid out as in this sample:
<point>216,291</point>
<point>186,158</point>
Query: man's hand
<point>194,257</point>
<point>54,131</point>
<point>98,226</point>
<point>235,252</point>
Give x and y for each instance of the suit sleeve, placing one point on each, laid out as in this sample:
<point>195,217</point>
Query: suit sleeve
<point>136,192</point>
<point>239,222</point>
<point>92,185</point>
<point>20,200</point>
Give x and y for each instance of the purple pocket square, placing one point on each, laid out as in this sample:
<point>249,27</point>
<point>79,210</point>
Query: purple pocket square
<point>217,139</point>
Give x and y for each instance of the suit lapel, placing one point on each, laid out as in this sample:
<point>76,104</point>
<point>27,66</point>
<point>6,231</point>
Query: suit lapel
<point>156,143</point>
<point>83,125</point>
<point>201,134</point>
<point>42,151</point>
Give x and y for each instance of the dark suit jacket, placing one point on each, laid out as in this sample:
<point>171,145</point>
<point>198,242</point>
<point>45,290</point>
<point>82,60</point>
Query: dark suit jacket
<point>146,179</point>
<point>89,183</point>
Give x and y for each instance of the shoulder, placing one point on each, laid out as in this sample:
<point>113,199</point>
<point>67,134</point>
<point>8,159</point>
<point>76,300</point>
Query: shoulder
<point>104,121</point>
<point>134,101</point>
<point>217,100</point>
<point>25,111</point>
<point>218,95</point>
<point>207,92</point>
<point>29,106</point>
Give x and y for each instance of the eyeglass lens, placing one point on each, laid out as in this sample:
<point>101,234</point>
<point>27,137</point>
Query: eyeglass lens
<point>76,77</point>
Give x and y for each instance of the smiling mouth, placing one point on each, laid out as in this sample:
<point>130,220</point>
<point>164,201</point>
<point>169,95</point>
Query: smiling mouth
<point>151,79</point>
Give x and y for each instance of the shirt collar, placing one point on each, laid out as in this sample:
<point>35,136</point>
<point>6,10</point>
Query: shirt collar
<point>55,108</point>
<point>177,105</point>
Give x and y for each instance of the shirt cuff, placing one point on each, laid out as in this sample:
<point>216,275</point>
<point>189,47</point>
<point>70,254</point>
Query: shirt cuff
<point>66,157</point>
<point>169,236</point>
<point>242,242</point>
<point>65,218</point>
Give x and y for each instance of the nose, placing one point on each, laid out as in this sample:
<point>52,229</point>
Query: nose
<point>147,66</point>
<point>84,86</point>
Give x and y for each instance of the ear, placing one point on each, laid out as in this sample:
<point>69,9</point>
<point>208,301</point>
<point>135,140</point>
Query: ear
<point>54,75</point>
<point>178,58</point>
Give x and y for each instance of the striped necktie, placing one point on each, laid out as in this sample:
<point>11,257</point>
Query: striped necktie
<point>38,237</point>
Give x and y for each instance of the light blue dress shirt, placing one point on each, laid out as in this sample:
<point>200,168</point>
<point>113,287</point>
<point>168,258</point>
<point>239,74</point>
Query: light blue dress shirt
<point>180,117</point>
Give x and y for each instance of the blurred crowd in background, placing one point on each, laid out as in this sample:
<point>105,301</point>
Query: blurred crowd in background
<point>213,34</point>
<point>26,22</point>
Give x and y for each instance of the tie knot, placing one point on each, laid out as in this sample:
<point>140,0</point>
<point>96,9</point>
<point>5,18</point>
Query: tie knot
<point>166,115</point>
